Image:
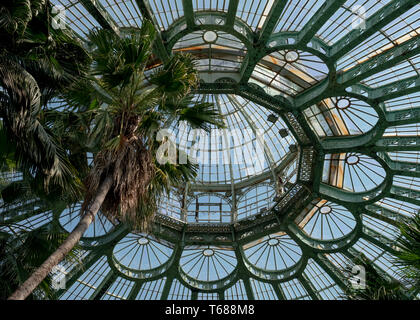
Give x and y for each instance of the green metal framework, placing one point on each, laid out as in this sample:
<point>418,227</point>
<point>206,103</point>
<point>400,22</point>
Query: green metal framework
<point>324,164</point>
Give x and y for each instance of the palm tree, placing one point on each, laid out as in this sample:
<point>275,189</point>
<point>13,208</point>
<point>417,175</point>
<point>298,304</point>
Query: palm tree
<point>22,252</point>
<point>408,256</point>
<point>36,63</point>
<point>378,286</point>
<point>126,180</point>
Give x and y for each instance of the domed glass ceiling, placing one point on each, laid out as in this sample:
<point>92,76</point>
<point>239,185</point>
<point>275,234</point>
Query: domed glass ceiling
<point>332,86</point>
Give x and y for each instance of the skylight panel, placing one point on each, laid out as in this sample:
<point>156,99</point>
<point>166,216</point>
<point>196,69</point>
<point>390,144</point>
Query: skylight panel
<point>166,11</point>
<point>408,130</point>
<point>296,14</point>
<point>76,16</point>
<point>403,70</point>
<point>351,14</point>
<point>207,296</point>
<point>119,290</point>
<point>322,282</point>
<point>139,252</point>
<point>178,291</point>
<point>381,258</point>
<point>402,207</point>
<point>409,101</point>
<point>86,285</point>
<point>294,290</point>
<point>151,290</point>
<point>124,13</point>
<point>385,229</point>
<point>30,223</point>
<point>236,292</point>
<point>412,183</point>
<point>254,12</point>
<point>262,290</point>
<point>70,217</point>
<point>213,5</point>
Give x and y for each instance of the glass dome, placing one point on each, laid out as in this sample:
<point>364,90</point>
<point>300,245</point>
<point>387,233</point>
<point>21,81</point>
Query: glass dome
<point>321,104</point>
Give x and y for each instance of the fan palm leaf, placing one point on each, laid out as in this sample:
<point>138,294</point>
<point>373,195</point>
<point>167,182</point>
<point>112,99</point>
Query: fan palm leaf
<point>409,250</point>
<point>128,109</point>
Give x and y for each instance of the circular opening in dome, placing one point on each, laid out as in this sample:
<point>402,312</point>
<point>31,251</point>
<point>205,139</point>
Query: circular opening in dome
<point>325,209</point>
<point>352,160</point>
<point>343,103</point>
<point>210,36</point>
<point>273,242</point>
<point>143,241</point>
<point>291,56</point>
<point>208,252</point>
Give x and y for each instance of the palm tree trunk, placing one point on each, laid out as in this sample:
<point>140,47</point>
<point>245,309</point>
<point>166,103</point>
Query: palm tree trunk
<point>39,274</point>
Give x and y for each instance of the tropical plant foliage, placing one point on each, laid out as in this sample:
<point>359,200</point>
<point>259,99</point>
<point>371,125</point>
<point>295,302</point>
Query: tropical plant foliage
<point>36,63</point>
<point>22,252</point>
<point>111,109</point>
<point>409,253</point>
<point>128,109</point>
<point>377,285</point>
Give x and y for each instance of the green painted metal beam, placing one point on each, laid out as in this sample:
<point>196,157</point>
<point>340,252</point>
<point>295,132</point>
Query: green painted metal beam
<point>404,168</point>
<point>316,22</point>
<point>248,289</point>
<point>351,143</point>
<point>385,215</point>
<point>188,13</point>
<point>309,287</point>
<point>318,168</point>
<point>379,240</point>
<point>95,8</point>
<point>331,270</point>
<point>194,294</point>
<point>347,198</point>
<point>405,194</point>
<point>79,270</point>
<point>407,143</point>
<point>373,24</point>
<point>314,94</point>
<point>380,62</point>
<point>231,14</point>
<point>159,45</point>
<point>104,286</point>
<point>166,288</point>
<point>262,39</point>
<point>271,21</point>
<point>395,89</point>
<point>403,117</point>
<point>278,291</point>
<point>353,253</point>
<point>304,126</point>
<point>135,290</point>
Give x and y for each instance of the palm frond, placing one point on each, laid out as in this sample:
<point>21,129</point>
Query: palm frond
<point>116,59</point>
<point>378,285</point>
<point>22,253</point>
<point>409,253</point>
<point>202,115</point>
<point>15,15</point>
<point>177,78</point>
<point>36,149</point>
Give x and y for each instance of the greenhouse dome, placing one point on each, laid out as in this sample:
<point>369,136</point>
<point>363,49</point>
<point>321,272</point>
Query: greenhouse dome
<point>321,105</point>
